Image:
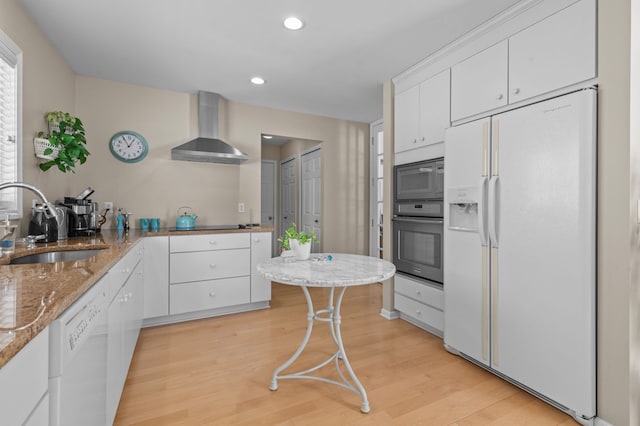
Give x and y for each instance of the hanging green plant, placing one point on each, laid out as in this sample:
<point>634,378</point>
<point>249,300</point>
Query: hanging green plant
<point>67,137</point>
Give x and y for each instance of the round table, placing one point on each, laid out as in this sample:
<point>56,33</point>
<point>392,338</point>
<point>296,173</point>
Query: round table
<point>331,271</point>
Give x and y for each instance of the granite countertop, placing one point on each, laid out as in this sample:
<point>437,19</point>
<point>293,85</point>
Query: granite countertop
<point>36,294</point>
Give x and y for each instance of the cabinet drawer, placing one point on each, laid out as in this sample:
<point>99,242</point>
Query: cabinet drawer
<point>190,297</point>
<point>187,243</point>
<point>421,292</point>
<point>420,312</point>
<point>209,265</point>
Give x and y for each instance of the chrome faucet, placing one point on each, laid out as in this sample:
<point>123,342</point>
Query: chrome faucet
<point>50,207</point>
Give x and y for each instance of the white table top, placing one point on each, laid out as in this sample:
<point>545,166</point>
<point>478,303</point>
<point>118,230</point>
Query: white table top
<point>341,271</point>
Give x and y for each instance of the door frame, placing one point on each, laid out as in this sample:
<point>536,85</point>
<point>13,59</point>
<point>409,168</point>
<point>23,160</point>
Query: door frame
<point>374,249</point>
<point>276,212</point>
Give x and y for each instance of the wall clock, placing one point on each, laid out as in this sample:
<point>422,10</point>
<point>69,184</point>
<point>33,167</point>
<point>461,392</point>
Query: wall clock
<point>128,146</point>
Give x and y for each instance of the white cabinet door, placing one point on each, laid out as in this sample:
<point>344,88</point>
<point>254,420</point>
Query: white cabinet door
<point>156,276</point>
<point>554,53</point>
<point>435,96</point>
<point>116,374</point>
<point>133,311</point>
<point>407,119</point>
<point>260,252</point>
<point>479,83</point>
<point>24,380</point>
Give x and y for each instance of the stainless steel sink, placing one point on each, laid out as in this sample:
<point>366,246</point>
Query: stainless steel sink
<point>55,256</point>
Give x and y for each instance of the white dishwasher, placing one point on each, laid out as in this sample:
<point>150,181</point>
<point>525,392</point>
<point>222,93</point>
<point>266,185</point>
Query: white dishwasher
<point>78,361</point>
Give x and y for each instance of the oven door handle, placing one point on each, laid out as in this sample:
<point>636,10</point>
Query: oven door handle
<point>404,219</point>
<point>482,219</point>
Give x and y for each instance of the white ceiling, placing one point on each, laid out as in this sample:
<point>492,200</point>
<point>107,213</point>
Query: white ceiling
<point>334,67</point>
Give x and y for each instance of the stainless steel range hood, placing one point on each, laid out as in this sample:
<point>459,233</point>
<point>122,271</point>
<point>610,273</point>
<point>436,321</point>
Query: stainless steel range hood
<point>207,147</point>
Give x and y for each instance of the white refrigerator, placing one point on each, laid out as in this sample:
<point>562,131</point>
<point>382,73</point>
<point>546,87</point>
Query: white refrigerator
<point>520,247</point>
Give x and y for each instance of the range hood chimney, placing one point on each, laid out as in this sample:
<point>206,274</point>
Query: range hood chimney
<point>207,147</point>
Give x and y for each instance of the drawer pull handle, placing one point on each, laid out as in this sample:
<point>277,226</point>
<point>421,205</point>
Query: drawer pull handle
<point>500,96</point>
<point>418,312</point>
<point>212,265</point>
<point>212,294</point>
<point>212,242</point>
<point>418,292</point>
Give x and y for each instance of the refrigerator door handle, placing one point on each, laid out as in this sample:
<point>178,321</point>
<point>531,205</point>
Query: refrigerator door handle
<point>493,210</point>
<point>482,220</point>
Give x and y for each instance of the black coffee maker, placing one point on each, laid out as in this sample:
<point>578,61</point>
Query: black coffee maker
<point>43,224</point>
<point>82,214</point>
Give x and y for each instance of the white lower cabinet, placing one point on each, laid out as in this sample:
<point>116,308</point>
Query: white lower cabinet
<point>217,271</point>
<point>124,319</point>
<point>24,383</point>
<point>260,252</point>
<point>420,303</point>
<point>156,276</point>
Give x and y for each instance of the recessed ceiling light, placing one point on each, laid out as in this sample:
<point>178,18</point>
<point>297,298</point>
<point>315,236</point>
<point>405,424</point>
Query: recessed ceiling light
<point>267,136</point>
<point>258,81</point>
<point>293,23</point>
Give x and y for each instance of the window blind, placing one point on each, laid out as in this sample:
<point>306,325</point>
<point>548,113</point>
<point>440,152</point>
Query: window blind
<point>8,129</point>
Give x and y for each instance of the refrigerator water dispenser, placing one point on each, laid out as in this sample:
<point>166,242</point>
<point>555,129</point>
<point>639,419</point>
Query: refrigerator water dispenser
<point>463,209</point>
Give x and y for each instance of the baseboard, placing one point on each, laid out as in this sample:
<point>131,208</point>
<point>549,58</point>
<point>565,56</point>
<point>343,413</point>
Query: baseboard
<point>599,422</point>
<point>390,315</point>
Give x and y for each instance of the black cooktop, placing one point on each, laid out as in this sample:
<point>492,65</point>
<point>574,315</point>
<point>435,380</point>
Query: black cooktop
<point>212,228</point>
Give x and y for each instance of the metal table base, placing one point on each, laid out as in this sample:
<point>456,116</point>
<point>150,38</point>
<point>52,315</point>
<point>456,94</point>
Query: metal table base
<point>330,315</point>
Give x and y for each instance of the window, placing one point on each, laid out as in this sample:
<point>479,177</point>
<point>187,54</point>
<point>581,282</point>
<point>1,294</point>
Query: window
<point>10,142</point>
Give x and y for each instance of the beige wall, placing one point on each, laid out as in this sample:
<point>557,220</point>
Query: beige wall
<point>345,167</point>
<point>634,282</point>
<point>47,84</point>
<point>613,212</point>
<point>158,186</point>
<point>388,131</point>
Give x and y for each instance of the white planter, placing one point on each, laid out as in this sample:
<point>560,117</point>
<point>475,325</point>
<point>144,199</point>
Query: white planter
<point>301,251</point>
<point>40,144</point>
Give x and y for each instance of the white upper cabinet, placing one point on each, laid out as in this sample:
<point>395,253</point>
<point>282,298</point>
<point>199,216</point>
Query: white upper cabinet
<point>422,113</point>
<point>556,52</point>
<point>435,96</point>
<point>479,83</point>
<point>407,107</point>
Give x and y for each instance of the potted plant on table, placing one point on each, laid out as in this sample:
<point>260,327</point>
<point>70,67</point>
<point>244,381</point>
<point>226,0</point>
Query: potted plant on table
<point>64,145</point>
<point>297,243</point>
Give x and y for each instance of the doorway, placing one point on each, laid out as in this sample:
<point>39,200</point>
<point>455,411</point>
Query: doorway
<point>286,153</point>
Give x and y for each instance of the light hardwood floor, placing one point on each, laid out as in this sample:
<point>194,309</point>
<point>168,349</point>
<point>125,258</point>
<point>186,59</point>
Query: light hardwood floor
<point>218,370</point>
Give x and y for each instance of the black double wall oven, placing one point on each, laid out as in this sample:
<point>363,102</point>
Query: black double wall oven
<point>418,219</point>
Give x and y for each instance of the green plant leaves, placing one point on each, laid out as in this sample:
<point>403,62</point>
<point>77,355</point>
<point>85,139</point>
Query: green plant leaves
<point>292,234</point>
<point>70,138</point>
